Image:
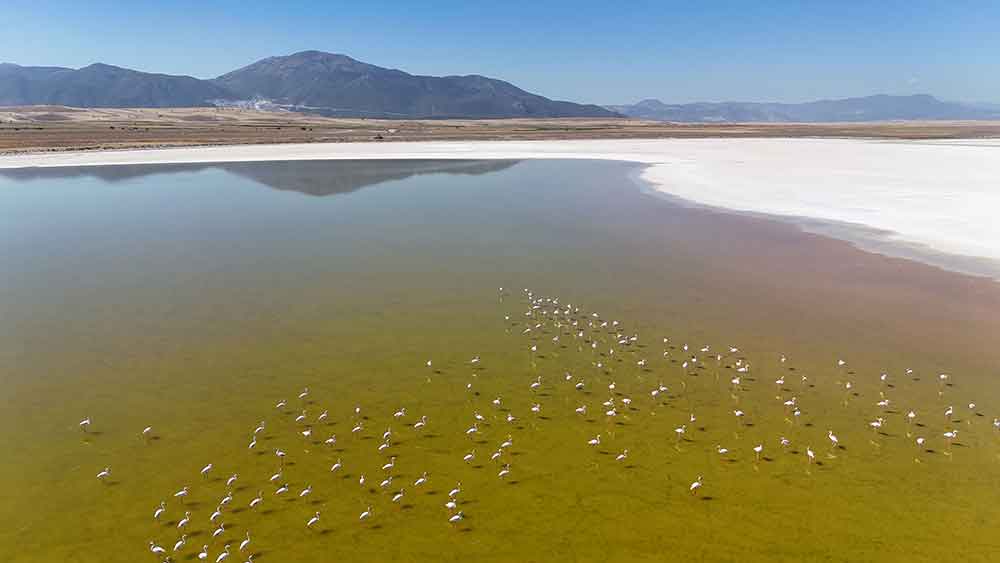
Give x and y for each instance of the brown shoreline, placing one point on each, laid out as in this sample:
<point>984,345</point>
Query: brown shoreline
<point>41,129</point>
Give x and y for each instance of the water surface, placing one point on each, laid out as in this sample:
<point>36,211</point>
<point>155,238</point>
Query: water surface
<point>192,298</point>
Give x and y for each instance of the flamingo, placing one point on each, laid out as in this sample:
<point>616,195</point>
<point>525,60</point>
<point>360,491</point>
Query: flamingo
<point>421,480</point>
<point>224,555</point>
<point>257,500</point>
<point>245,543</point>
<point>180,543</point>
<point>368,511</point>
<point>160,510</point>
<point>622,456</point>
<point>158,550</point>
<point>695,485</point>
<point>104,474</point>
<point>312,521</point>
<point>398,496</point>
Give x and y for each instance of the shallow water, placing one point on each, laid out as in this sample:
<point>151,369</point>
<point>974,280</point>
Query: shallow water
<point>928,201</point>
<point>194,298</point>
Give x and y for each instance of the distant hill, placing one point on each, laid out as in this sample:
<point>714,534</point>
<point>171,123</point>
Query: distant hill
<point>101,85</point>
<point>870,108</point>
<point>309,81</point>
<point>339,85</point>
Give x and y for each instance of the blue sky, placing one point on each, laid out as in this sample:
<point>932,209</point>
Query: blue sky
<point>581,51</point>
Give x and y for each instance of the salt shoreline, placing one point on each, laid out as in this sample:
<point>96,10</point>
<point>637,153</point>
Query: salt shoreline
<point>930,201</point>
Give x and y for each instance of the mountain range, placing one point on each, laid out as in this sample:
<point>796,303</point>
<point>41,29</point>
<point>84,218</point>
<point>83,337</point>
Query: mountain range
<point>337,85</point>
<point>869,108</point>
<point>313,81</point>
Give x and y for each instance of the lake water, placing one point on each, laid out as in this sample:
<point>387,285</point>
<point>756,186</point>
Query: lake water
<point>194,298</point>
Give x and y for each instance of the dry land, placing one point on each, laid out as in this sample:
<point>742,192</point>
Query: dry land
<point>56,128</point>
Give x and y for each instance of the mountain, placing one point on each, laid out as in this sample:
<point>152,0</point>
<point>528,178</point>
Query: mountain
<point>312,81</point>
<point>101,85</point>
<point>339,85</point>
<point>870,108</point>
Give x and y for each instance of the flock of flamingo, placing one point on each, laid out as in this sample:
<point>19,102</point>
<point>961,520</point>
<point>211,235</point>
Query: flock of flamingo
<point>617,369</point>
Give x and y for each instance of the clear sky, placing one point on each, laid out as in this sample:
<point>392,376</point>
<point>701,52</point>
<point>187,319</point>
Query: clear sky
<point>587,51</point>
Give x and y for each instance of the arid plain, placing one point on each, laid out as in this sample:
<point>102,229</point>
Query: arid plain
<point>57,128</point>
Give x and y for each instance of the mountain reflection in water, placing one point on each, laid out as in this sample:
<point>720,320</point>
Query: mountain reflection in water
<point>311,177</point>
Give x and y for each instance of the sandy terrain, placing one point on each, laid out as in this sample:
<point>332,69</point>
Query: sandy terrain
<point>54,128</point>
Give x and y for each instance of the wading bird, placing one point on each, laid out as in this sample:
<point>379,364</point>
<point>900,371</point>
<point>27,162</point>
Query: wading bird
<point>695,485</point>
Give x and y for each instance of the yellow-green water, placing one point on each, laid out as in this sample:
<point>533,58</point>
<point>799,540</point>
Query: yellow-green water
<point>192,299</point>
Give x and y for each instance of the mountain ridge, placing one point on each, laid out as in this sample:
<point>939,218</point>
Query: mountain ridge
<point>314,81</point>
<point>334,84</point>
<point>337,84</point>
<point>877,107</point>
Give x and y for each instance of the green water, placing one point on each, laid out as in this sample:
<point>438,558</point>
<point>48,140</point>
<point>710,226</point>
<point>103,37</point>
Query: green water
<point>193,298</point>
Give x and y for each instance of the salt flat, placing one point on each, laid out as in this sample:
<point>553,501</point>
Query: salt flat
<point>934,201</point>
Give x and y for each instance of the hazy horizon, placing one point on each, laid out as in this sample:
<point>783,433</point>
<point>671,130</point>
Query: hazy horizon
<point>577,51</point>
